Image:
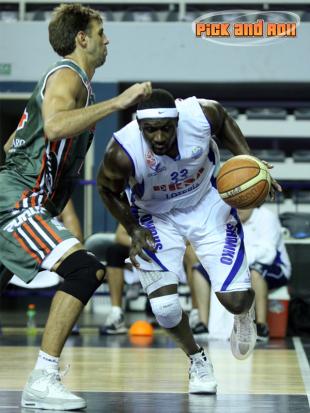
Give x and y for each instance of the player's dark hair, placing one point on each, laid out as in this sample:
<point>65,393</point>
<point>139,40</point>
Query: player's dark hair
<point>160,98</point>
<point>67,21</point>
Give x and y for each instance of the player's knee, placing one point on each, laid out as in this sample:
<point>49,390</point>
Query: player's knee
<point>237,302</point>
<point>167,310</point>
<point>100,274</point>
<point>82,274</point>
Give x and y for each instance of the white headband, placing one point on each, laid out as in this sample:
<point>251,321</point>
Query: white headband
<point>157,113</point>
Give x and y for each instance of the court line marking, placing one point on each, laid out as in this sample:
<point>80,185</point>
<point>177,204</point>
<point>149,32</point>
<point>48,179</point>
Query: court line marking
<point>303,365</point>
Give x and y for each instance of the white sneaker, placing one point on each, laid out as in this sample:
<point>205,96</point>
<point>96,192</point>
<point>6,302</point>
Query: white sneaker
<point>193,318</point>
<point>115,324</point>
<point>44,390</point>
<point>243,335</point>
<point>201,376</point>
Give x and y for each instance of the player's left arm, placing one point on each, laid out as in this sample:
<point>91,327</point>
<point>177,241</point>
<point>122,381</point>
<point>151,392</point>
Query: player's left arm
<point>9,142</point>
<point>226,129</point>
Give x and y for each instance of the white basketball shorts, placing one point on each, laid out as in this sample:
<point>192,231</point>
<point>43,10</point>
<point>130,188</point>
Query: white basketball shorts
<point>215,232</point>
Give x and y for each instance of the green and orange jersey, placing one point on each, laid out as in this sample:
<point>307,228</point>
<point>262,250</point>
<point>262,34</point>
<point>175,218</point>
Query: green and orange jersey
<point>37,171</point>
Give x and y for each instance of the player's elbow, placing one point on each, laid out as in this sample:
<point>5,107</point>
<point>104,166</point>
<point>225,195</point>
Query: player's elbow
<point>52,130</point>
<point>102,188</point>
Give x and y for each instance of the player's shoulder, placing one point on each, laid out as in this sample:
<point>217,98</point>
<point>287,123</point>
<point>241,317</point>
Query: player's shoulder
<point>189,108</point>
<point>186,103</point>
<point>64,74</point>
<point>116,159</point>
<point>130,128</point>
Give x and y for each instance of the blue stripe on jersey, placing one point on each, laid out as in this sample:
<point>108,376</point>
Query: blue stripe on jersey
<point>240,255</point>
<point>154,258</point>
<point>213,182</point>
<point>211,156</point>
<point>127,153</point>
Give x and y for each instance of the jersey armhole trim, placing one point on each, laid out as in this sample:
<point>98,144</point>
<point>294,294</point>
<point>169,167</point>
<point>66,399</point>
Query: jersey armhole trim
<point>127,153</point>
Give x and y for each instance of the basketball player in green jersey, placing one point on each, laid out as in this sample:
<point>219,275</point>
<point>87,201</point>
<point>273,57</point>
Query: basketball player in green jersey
<point>46,154</point>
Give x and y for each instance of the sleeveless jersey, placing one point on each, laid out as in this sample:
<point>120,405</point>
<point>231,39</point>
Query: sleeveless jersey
<point>161,183</point>
<point>38,172</point>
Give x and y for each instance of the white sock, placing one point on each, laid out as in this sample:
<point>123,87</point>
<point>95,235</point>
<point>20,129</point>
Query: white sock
<point>46,362</point>
<point>116,310</point>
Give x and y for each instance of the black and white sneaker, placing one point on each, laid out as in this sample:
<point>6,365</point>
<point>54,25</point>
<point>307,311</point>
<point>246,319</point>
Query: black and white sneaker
<point>115,324</point>
<point>262,333</point>
<point>201,376</point>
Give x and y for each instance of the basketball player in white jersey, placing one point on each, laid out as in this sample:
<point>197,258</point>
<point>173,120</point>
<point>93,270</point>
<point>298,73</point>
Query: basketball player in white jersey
<point>166,162</point>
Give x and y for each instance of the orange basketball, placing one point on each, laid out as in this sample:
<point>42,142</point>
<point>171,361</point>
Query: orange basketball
<point>141,328</point>
<point>243,182</point>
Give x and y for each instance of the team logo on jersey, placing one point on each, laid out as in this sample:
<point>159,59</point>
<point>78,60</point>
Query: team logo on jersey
<point>151,160</point>
<point>153,164</point>
<point>23,120</point>
<point>22,218</point>
<point>197,152</point>
<point>17,143</point>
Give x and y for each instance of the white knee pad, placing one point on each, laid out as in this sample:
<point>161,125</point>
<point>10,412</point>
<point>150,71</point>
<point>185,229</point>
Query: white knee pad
<point>167,310</point>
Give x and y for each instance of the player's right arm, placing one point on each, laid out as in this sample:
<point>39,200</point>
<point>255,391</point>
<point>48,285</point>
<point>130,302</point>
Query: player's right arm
<point>112,179</point>
<point>63,112</point>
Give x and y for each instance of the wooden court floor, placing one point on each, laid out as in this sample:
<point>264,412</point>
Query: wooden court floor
<point>117,375</point>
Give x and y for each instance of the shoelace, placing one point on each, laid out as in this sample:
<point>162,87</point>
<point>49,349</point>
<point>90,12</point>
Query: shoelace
<point>201,367</point>
<point>55,379</point>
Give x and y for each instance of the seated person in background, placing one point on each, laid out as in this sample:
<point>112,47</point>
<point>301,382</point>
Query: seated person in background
<point>116,256</point>
<point>190,259</point>
<point>268,261</point>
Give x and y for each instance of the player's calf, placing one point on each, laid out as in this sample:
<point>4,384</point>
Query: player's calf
<point>236,302</point>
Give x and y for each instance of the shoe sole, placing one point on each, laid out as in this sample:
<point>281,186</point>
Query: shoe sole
<point>47,406</point>
<point>113,333</point>
<point>195,389</point>
<point>262,339</point>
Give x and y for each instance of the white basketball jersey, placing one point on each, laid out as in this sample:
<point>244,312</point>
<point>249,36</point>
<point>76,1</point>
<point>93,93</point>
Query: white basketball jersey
<point>161,183</point>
